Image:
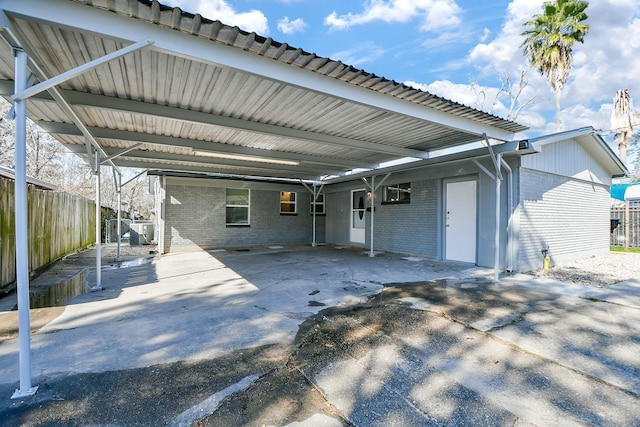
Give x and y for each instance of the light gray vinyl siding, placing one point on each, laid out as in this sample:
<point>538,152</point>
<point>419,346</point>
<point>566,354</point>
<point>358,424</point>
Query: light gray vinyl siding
<point>568,158</point>
<point>569,216</point>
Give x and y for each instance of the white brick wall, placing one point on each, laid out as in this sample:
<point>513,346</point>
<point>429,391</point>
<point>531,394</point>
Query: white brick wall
<point>570,217</point>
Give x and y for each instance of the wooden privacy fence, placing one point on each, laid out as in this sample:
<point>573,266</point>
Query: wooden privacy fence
<point>625,232</point>
<point>58,224</point>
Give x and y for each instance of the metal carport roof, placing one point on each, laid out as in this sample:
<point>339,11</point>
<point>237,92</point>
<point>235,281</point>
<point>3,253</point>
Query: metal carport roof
<point>133,83</point>
<point>207,97</point>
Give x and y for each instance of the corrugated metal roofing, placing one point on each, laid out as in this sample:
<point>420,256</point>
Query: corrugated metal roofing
<point>168,99</point>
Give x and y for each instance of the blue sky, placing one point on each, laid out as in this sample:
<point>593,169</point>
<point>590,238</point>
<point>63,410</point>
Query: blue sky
<point>458,49</point>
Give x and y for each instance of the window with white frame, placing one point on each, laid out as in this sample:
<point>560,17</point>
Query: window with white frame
<point>397,193</point>
<point>238,206</point>
<point>318,205</point>
<point>287,202</point>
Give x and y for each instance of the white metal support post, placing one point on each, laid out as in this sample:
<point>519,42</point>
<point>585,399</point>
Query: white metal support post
<point>118,178</point>
<point>161,219</point>
<point>497,162</point>
<point>22,249</point>
<point>98,285</point>
<point>496,269</point>
<point>373,187</point>
<point>373,208</point>
<point>315,192</point>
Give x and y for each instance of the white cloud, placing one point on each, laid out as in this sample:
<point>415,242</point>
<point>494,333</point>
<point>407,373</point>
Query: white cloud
<point>435,14</point>
<point>253,20</point>
<point>486,33</point>
<point>286,26</point>
<point>445,39</point>
<point>461,93</point>
<point>490,99</point>
<point>607,61</point>
<point>440,14</point>
<point>361,54</point>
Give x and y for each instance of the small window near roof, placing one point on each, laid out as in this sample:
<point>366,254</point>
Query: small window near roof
<point>318,205</point>
<point>287,202</point>
<point>398,193</point>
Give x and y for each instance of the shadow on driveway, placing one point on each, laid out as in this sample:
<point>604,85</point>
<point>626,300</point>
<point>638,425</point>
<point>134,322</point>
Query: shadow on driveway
<point>326,336</point>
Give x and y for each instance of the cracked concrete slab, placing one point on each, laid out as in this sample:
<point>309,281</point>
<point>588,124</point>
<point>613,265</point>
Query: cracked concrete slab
<point>339,339</point>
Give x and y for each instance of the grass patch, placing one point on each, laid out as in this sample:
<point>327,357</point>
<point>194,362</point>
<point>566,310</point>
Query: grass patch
<point>622,249</point>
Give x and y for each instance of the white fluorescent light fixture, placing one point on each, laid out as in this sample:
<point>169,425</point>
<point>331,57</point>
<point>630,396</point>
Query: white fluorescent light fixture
<point>246,158</point>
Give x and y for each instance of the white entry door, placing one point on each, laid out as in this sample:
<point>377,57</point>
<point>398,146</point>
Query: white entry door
<point>460,226</point>
<point>358,209</point>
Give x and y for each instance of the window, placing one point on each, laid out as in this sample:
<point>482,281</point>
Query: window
<point>237,206</point>
<point>287,202</point>
<point>398,193</point>
<point>319,204</point>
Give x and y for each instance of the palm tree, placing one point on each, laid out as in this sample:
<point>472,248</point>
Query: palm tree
<point>623,121</point>
<point>549,39</point>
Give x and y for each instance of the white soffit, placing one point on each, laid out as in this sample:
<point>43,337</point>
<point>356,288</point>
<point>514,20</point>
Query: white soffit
<point>206,86</point>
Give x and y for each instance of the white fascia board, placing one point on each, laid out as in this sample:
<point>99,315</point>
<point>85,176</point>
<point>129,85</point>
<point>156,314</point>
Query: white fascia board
<point>109,24</point>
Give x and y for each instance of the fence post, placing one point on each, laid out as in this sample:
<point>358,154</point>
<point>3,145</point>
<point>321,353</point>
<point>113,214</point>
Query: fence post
<point>626,225</point>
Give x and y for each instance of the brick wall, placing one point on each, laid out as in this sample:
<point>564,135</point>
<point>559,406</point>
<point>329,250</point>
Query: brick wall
<point>410,227</point>
<point>569,216</point>
<point>195,217</point>
<point>337,221</point>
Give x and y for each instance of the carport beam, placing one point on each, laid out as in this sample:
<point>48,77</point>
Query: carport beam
<point>22,249</point>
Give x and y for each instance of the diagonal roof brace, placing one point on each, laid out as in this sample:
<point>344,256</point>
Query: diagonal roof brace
<point>135,177</point>
<point>12,36</point>
<point>496,164</point>
<point>67,75</point>
<point>123,152</point>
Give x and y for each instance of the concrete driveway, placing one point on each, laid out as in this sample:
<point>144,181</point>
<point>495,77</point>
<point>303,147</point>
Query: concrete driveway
<point>407,341</point>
